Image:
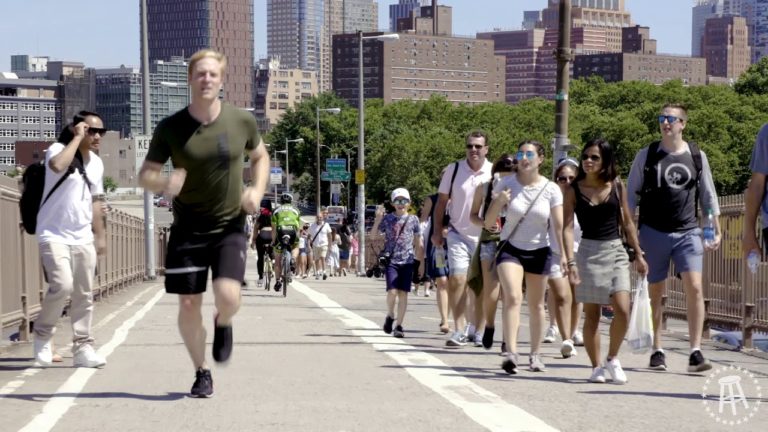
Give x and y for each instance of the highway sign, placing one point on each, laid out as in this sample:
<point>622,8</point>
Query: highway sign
<point>335,176</point>
<point>336,165</point>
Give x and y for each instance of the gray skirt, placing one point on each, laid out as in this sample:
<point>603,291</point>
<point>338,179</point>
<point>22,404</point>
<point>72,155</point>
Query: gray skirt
<point>604,270</point>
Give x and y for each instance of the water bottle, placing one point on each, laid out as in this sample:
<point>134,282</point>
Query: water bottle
<point>709,229</point>
<point>753,259</point>
<point>439,257</point>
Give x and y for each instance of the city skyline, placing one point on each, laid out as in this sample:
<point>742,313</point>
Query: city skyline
<point>670,24</point>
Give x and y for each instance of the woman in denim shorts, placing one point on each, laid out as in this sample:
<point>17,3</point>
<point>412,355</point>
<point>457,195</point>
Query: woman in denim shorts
<point>505,165</point>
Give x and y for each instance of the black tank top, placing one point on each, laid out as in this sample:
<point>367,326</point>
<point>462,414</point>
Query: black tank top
<point>598,222</point>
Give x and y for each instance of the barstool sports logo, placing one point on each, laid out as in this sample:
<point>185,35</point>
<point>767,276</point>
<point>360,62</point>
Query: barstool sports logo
<point>731,395</point>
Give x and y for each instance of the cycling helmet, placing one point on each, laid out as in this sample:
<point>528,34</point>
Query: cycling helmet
<point>286,198</point>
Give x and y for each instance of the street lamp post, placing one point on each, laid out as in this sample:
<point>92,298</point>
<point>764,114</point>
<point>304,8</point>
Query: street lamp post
<point>317,156</point>
<point>288,172</point>
<point>361,147</point>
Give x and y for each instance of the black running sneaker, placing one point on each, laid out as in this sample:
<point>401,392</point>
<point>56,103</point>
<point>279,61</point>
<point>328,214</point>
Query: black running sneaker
<point>697,362</point>
<point>222,342</point>
<point>203,386</point>
<point>278,285</point>
<point>388,321</point>
<point>658,361</point>
<point>510,364</point>
<point>488,337</point>
<point>398,333</point>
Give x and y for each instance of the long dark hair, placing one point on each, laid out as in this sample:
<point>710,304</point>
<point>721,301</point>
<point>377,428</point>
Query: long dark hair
<point>609,170</point>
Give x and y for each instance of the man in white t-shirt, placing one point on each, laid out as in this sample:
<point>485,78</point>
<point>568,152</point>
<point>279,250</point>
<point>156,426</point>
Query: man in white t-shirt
<point>456,192</point>
<point>70,232</point>
<point>320,237</point>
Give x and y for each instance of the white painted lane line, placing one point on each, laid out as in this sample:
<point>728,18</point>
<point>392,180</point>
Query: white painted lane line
<point>482,406</point>
<point>57,406</point>
<point>21,378</point>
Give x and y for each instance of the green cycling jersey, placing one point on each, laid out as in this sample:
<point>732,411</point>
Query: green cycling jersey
<point>286,216</point>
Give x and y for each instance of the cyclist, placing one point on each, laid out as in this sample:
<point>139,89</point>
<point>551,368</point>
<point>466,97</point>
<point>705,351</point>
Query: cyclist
<point>262,238</point>
<point>285,221</point>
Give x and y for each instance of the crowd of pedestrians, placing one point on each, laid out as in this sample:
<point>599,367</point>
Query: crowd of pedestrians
<point>493,232</point>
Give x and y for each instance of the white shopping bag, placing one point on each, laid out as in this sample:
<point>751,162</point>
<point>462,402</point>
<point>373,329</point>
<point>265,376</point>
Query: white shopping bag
<point>640,334</point>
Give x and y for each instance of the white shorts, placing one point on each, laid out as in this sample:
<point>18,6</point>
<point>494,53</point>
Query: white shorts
<point>460,250</point>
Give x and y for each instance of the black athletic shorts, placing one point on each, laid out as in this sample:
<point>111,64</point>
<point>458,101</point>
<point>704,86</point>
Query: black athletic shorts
<point>191,255</point>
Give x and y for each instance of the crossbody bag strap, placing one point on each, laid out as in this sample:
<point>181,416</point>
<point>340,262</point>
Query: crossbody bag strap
<point>56,186</point>
<point>519,222</point>
<point>312,243</point>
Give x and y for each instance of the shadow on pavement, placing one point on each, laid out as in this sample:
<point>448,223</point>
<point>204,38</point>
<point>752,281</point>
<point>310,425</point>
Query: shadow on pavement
<point>640,393</point>
<point>43,397</point>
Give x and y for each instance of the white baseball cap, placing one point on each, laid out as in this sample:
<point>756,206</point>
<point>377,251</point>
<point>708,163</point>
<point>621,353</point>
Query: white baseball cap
<point>400,193</point>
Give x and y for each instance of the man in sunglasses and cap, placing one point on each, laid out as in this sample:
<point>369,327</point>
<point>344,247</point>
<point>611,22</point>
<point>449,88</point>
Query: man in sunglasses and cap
<point>674,174</point>
<point>70,232</point>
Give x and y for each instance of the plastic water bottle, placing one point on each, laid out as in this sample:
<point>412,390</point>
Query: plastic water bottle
<point>439,257</point>
<point>753,259</point>
<point>709,229</point>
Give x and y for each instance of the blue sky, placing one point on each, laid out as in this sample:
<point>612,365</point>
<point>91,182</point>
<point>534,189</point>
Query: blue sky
<point>105,33</point>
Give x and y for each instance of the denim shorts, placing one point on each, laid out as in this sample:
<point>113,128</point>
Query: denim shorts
<point>488,250</point>
<point>460,251</point>
<point>553,266</point>
<point>433,271</point>
<point>685,249</point>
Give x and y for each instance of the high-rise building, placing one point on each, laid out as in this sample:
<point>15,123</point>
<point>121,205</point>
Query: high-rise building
<point>530,18</point>
<point>344,16</point>
<point>760,39</point>
<point>403,10</point>
<point>423,21</point>
<point>277,89</point>
<point>608,15</point>
<point>639,61</point>
<point>701,12</point>
<point>179,28</point>
<point>29,111</point>
<point>726,47</point>
<point>26,63</point>
<point>417,66</point>
<point>295,33</point>
<point>118,95</point>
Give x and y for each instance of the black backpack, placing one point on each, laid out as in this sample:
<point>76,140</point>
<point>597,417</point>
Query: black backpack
<point>33,184</point>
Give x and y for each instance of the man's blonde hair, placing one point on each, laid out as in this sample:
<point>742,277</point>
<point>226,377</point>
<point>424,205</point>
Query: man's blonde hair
<point>206,53</point>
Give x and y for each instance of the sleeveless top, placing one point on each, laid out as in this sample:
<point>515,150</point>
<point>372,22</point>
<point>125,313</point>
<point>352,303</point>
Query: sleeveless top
<point>601,221</point>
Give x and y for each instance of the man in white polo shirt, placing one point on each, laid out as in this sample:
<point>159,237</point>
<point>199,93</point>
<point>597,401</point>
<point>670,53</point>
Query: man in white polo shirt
<point>320,238</point>
<point>456,192</point>
<point>70,232</point>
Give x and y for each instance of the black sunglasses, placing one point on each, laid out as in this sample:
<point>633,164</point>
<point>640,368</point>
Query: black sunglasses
<point>565,179</point>
<point>94,131</point>
<point>593,158</point>
<point>475,146</point>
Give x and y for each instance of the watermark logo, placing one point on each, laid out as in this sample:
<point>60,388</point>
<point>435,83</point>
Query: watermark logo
<point>731,395</point>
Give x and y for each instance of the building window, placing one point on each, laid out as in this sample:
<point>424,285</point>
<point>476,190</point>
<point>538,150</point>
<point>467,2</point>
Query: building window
<point>7,160</point>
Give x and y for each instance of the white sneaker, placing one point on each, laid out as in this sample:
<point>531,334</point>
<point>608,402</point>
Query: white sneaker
<point>260,283</point>
<point>469,332</point>
<point>614,369</point>
<point>458,339</point>
<point>535,363</point>
<point>578,338</point>
<point>87,357</point>
<point>551,335</point>
<point>598,375</point>
<point>43,352</point>
<point>479,339</point>
<point>567,349</point>
<point>426,293</point>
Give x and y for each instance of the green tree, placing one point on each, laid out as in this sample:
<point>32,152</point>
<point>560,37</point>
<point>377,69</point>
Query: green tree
<point>110,185</point>
<point>754,81</point>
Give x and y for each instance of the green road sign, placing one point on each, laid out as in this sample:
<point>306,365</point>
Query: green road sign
<point>335,176</point>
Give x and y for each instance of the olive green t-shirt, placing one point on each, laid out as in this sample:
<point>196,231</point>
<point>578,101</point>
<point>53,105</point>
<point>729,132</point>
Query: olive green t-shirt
<point>212,155</point>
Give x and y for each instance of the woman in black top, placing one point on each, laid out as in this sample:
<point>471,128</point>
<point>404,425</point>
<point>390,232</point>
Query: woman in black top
<point>600,269</point>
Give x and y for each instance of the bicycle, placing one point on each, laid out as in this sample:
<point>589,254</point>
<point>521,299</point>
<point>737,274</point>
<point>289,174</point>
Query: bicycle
<point>285,256</point>
<point>268,269</point>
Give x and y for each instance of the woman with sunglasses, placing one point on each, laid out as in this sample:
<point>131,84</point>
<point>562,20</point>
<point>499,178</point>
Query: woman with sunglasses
<point>600,269</point>
<point>531,201</point>
<point>563,311</point>
<point>505,165</point>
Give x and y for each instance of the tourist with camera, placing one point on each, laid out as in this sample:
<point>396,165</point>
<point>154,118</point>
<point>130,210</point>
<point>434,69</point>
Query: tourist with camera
<point>402,239</point>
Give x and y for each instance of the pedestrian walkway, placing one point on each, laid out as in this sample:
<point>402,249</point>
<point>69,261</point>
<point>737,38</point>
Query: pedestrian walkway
<point>318,361</point>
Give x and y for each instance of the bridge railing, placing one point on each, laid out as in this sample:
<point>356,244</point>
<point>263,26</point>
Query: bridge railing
<point>22,283</point>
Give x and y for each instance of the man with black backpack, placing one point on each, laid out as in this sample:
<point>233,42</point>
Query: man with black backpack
<point>667,181</point>
<point>70,231</point>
